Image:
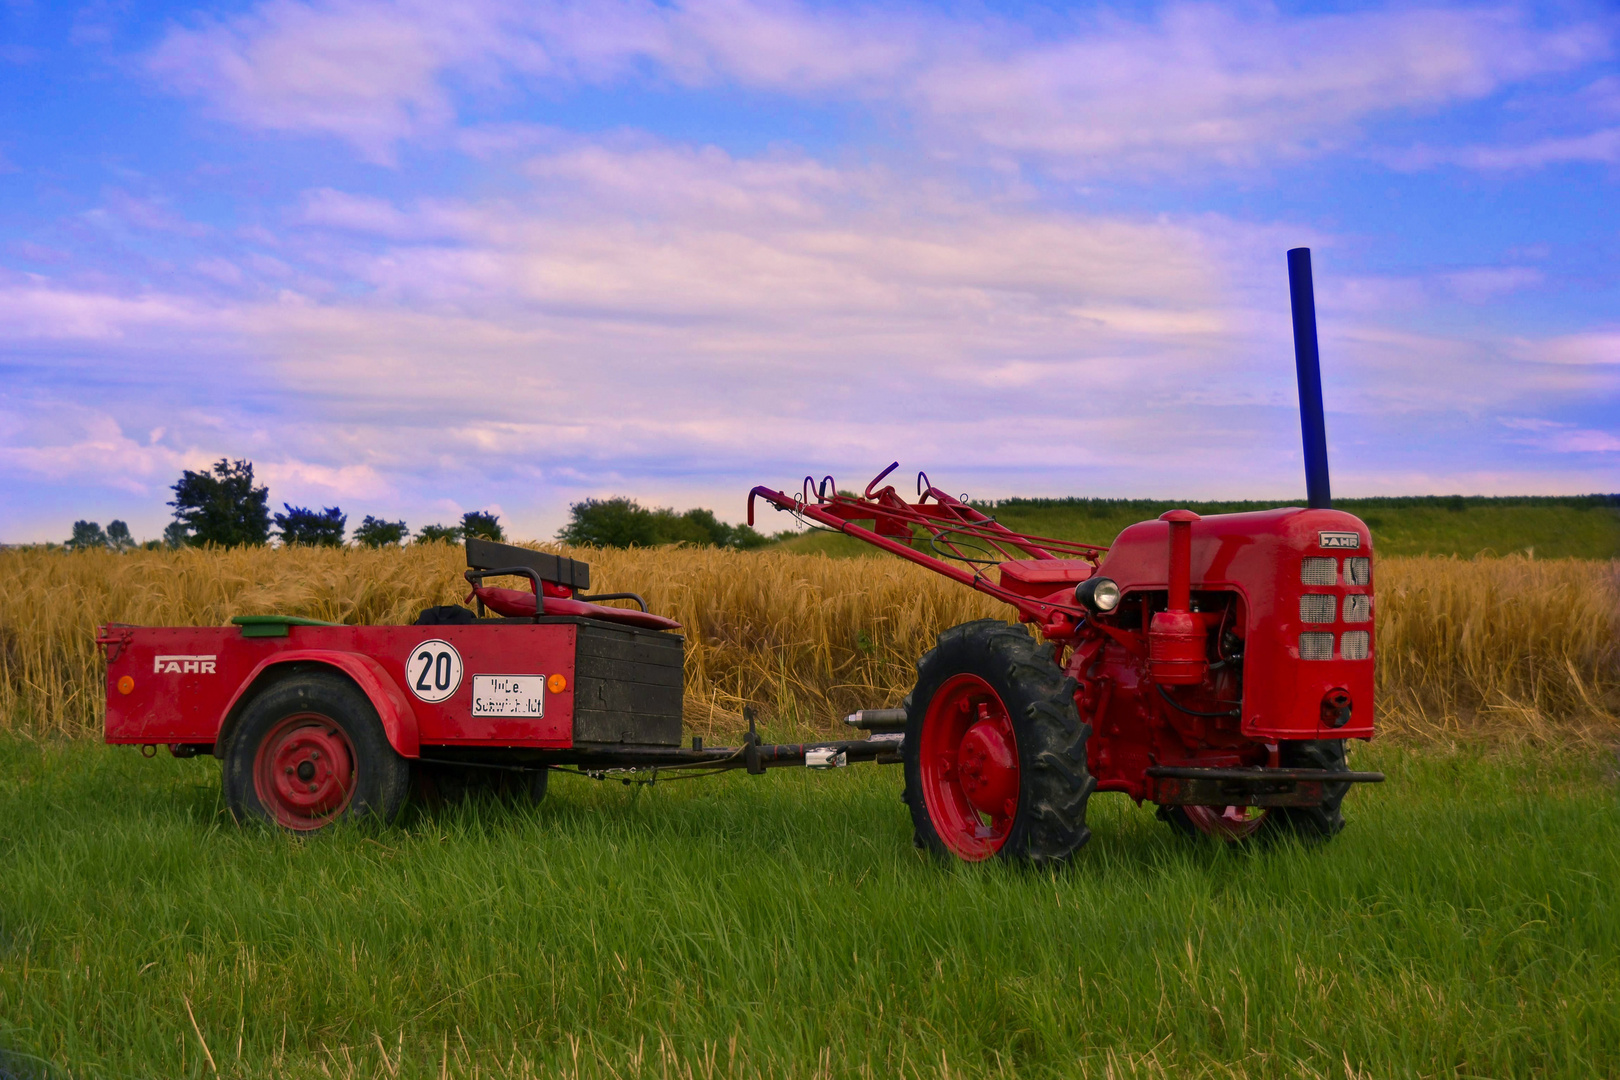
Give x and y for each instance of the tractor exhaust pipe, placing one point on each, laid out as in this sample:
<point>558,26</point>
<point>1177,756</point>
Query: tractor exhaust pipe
<point>1308,367</point>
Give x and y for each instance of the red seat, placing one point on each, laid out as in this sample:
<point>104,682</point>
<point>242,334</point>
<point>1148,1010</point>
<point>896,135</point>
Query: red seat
<point>516,603</point>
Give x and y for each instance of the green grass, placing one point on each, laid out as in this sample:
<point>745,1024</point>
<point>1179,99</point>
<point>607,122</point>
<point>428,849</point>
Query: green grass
<point>1466,924</point>
<point>1583,527</point>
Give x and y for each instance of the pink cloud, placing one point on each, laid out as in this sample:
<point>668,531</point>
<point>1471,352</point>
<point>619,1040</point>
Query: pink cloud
<point>1199,83</point>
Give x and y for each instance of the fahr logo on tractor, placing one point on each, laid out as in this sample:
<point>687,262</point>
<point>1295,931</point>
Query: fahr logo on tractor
<point>1213,666</point>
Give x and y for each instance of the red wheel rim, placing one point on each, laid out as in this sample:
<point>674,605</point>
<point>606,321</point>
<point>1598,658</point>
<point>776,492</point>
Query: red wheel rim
<point>304,772</point>
<point>968,757</point>
<point>1227,822</point>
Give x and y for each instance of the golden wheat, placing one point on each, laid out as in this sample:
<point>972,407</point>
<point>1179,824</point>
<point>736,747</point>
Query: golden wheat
<point>1512,648</point>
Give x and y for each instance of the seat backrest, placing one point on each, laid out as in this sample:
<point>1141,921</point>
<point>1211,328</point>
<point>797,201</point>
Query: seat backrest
<point>557,569</point>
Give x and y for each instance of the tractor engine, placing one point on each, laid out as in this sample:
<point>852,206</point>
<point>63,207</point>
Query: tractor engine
<point>1212,641</point>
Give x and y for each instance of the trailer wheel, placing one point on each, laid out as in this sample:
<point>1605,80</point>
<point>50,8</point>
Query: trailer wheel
<point>1235,824</point>
<point>995,751</point>
<point>310,750</point>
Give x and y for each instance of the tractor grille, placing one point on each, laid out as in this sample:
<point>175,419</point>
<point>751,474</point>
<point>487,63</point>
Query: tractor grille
<point>1355,645</point>
<point>1357,571</point>
<point>1357,608</point>
<point>1315,571</point>
<point>1314,607</point>
<point>1316,646</point>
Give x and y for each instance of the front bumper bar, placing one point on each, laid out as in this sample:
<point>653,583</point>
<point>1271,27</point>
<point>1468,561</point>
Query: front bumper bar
<point>1173,785</point>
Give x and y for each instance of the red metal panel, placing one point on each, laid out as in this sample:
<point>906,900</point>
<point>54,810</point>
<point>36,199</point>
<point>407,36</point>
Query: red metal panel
<point>395,712</point>
<point>183,680</point>
<point>1259,555</point>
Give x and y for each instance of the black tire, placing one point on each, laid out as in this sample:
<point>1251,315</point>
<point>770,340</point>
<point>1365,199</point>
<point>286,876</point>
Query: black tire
<point>1311,824</point>
<point>378,779</point>
<point>451,784</point>
<point>1054,782</point>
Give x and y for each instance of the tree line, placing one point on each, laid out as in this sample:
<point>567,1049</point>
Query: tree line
<point>223,507</point>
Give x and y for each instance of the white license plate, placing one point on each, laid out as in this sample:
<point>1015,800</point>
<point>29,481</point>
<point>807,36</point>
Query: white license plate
<point>509,695</point>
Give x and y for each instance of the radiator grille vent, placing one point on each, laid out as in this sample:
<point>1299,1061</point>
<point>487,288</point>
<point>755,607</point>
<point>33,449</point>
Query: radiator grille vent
<point>1356,645</point>
<point>1357,608</point>
<point>1315,571</point>
<point>1316,646</point>
<point>1358,571</point>
<point>1316,608</point>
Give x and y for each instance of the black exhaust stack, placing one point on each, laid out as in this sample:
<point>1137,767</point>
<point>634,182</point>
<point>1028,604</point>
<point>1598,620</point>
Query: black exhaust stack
<point>1308,365</point>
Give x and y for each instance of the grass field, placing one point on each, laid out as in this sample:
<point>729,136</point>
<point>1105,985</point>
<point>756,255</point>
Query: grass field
<point>1467,924</point>
<point>1552,527</point>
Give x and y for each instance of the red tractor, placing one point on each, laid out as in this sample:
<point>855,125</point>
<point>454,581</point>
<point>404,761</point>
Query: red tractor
<point>1214,666</point>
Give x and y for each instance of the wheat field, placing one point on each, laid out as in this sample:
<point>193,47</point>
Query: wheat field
<point>1507,649</point>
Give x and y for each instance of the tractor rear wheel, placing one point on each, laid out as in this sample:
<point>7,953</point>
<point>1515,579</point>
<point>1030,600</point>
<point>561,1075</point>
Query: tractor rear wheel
<point>308,751</point>
<point>995,751</point>
<point>1235,824</point>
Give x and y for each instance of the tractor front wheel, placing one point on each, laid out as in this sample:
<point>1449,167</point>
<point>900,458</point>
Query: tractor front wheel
<point>308,751</point>
<point>995,751</point>
<point>1235,824</point>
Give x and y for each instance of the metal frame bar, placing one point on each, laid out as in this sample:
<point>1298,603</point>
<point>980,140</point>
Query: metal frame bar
<point>945,526</point>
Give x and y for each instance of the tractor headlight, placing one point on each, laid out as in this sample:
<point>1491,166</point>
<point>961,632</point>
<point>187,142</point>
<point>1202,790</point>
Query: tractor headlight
<point>1097,594</point>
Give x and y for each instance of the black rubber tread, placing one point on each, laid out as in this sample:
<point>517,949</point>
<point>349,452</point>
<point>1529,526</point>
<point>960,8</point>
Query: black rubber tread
<point>1055,783</point>
<point>455,783</point>
<point>1307,823</point>
<point>382,777</point>
<point>1311,823</point>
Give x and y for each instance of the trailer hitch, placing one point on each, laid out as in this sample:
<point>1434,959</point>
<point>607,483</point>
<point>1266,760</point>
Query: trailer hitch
<point>751,757</point>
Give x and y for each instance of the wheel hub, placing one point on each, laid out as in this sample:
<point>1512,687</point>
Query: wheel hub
<point>988,767</point>
<point>304,771</point>
<point>968,758</point>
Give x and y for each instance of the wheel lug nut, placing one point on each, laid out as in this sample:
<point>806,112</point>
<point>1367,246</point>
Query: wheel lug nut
<point>312,787</point>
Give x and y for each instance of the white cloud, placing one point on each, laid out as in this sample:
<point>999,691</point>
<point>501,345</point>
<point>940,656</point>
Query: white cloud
<point>1486,283</point>
<point>44,310</point>
<point>1600,147</point>
<point>1197,83</point>
<point>641,315</point>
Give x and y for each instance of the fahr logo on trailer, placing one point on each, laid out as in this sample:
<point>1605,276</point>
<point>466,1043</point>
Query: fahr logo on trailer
<point>1339,539</point>
<point>183,665</point>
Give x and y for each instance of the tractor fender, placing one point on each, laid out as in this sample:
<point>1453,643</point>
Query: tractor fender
<point>398,719</point>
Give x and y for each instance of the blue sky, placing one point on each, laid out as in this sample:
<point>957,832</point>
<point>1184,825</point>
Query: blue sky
<point>413,259</point>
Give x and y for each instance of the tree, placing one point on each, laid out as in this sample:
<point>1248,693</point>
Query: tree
<point>86,535</point>
<point>376,533</point>
<point>621,522</point>
<point>439,534</point>
<point>300,525</point>
<point>176,535</point>
<point>222,507</point>
<point>618,522</point>
<point>482,525</point>
<point>118,536</point>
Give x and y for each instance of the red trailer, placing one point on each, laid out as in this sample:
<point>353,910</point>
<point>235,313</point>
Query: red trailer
<point>313,722</point>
